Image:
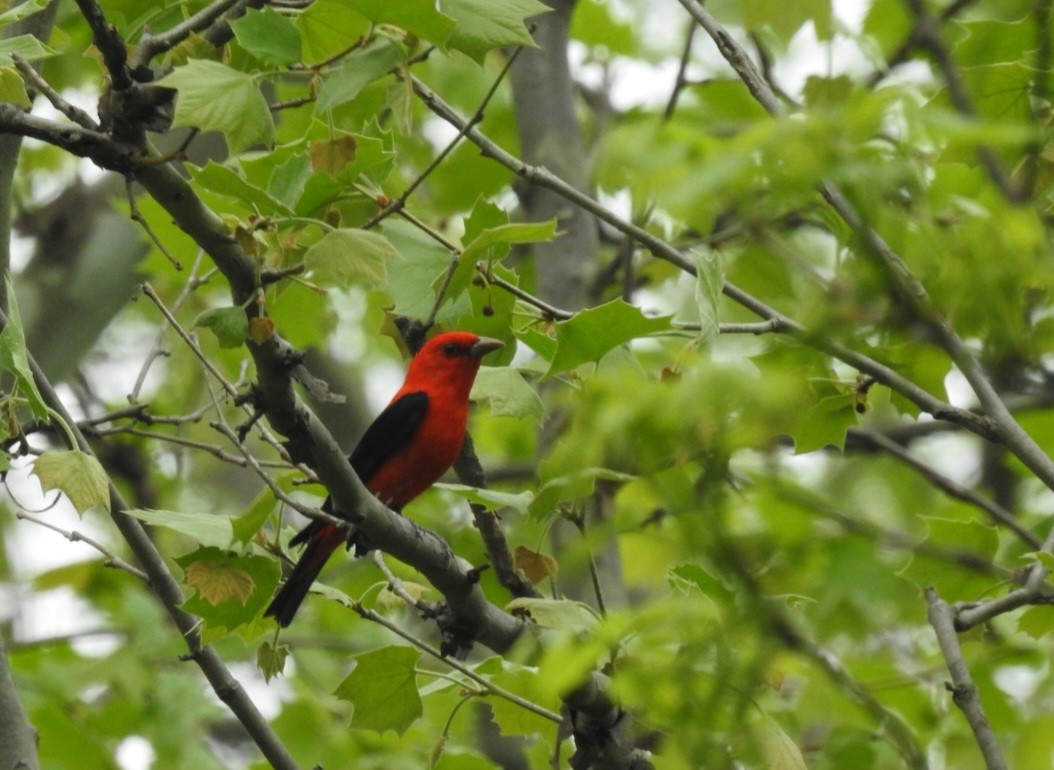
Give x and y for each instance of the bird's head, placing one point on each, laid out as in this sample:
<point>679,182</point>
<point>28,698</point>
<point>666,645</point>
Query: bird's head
<point>450,358</point>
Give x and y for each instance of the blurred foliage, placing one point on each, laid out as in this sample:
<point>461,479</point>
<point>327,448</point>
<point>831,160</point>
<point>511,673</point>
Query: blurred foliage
<point>771,563</point>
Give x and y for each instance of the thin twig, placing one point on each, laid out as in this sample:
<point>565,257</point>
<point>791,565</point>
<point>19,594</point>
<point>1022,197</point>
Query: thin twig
<point>170,594</point>
<point>33,78</point>
<point>212,449</point>
<point>424,646</point>
<point>397,587</point>
<point>579,520</point>
<point>136,216</point>
<point>927,34</point>
<point>902,53</point>
<point>152,45</point>
<point>963,690</point>
<point>229,387</point>
<point>75,536</point>
<point>661,249</point>
<point>887,538</point>
<point>398,203</point>
<point>148,290</point>
<point>782,627</point>
<point>156,350</point>
<point>307,510</point>
<point>998,513</point>
<point>1000,425</point>
<point>180,153</point>
<point>681,81</point>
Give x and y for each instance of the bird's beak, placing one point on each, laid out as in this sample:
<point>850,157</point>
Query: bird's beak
<point>485,345</point>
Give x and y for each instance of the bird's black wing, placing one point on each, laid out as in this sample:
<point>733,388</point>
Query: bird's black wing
<point>388,434</point>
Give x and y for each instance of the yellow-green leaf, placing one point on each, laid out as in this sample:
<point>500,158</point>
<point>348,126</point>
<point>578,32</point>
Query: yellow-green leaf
<point>77,475</point>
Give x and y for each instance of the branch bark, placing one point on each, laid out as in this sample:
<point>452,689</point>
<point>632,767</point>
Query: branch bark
<point>18,739</point>
<point>963,690</point>
<point>168,591</point>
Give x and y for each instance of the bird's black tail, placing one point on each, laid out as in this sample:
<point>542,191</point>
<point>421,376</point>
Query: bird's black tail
<point>322,540</point>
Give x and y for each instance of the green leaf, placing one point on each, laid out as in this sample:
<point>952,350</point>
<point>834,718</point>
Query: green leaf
<point>359,68</point>
<point>515,232</point>
<point>26,46</point>
<point>955,582</point>
<point>226,181</point>
<point>597,25</point>
<point>558,614</point>
<point>205,528</point>
<point>1037,622</point>
<point>491,499</point>
<point>483,25</point>
<point>507,394</point>
<point>779,750</point>
<point>77,475</point>
<point>488,234</point>
<point>271,659</point>
<point>383,689</point>
<point>825,423</point>
<point>229,324</point>
<point>268,35</point>
<point>230,591</point>
<point>214,97</point>
<point>13,88</point>
<point>525,681</point>
<point>421,17</point>
<point>21,11</point>
<point>540,343</point>
<point>288,179</point>
<point>245,527</point>
<point>411,279</point>
<point>327,27</point>
<point>219,582</point>
<point>14,357</point>
<point>703,579</point>
<point>350,256</point>
<point>592,333</point>
<point>573,486</point>
<point>708,282</point>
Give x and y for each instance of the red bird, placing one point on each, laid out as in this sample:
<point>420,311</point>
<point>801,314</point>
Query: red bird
<point>403,452</point>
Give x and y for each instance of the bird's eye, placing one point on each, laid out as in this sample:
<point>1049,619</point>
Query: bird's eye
<point>450,349</point>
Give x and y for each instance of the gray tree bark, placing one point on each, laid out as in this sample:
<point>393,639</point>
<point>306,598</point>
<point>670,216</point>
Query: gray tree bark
<point>18,739</point>
<point>550,135</point>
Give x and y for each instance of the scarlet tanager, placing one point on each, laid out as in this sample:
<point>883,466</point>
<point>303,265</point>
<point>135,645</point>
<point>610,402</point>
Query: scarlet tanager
<point>403,452</point>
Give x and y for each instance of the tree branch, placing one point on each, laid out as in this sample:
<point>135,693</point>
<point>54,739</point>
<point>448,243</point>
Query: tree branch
<point>18,739</point>
<point>276,361</point>
<point>964,692</point>
<point>168,591</point>
<point>927,34</point>
<point>996,512</point>
<point>883,374</point>
<point>151,45</point>
<point>1002,427</point>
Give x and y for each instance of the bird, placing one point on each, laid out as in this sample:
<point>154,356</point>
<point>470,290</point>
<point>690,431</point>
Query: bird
<point>405,450</point>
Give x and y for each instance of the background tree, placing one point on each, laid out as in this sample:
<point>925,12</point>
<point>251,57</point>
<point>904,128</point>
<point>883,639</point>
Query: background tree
<point>774,283</point>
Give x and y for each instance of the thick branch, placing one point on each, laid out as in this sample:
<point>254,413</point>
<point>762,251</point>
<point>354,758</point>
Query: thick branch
<point>108,40</point>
